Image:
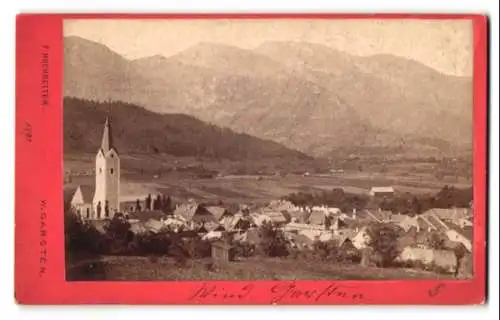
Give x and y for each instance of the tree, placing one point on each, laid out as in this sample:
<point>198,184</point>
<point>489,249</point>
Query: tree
<point>328,222</point>
<point>98,209</point>
<point>460,253</point>
<point>436,241</point>
<point>148,202</point>
<point>118,234</point>
<point>158,202</point>
<point>416,206</point>
<point>384,242</point>
<point>80,237</point>
<point>167,204</point>
<point>106,209</point>
<point>273,242</point>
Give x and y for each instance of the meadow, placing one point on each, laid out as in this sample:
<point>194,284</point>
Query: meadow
<point>130,268</point>
<point>185,178</point>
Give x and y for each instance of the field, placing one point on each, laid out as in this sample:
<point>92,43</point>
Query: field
<point>116,268</point>
<point>141,174</point>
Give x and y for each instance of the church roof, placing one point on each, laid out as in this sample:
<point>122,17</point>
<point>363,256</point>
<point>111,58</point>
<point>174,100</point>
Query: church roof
<point>87,193</point>
<point>107,137</point>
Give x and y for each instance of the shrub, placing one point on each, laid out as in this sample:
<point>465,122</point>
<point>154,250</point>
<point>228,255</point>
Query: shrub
<point>118,235</point>
<point>348,254</point>
<point>384,242</point>
<point>81,237</point>
<point>244,249</point>
<point>436,241</point>
<point>273,242</point>
<point>151,243</point>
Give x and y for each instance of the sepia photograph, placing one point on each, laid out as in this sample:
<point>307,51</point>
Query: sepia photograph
<point>267,149</point>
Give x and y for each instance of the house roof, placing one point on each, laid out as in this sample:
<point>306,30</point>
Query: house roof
<point>275,216</point>
<point>280,205</point>
<point>375,215</point>
<point>236,221</point>
<point>194,212</point>
<point>449,214</point>
<point>425,224</point>
<point>301,239</point>
<point>217,211</point>
<point>317,217</point>
<point>147,215</point>
<point>311,234</point>
<point>405,222</point>
<point>382,189</point>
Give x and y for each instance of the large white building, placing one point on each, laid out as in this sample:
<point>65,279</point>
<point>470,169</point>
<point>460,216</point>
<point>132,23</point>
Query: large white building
<point>106,200</point>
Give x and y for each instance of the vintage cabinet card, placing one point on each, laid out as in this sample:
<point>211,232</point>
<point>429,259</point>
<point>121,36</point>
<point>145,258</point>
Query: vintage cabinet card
<point>251,159</point>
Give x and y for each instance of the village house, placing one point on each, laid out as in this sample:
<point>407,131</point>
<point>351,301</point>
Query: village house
<point>237,222</point>
<point>379,215</point>
<point>381,191</point>
<point>459,238</point>
<point>317,218</point>
<point>266,215</point>
<point>453,215</point>
<point>359,238</point>
<point>405,222</point>
<point>326,210</point>
<point>218,212</point>
<point>442,258</point>
<point>195,215</point>
<point>282,205</point>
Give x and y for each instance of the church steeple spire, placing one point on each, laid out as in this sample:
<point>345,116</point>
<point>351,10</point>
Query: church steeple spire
<point>107,137</point>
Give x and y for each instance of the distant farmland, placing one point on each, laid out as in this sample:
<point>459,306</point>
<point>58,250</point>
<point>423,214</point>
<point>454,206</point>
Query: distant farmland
<point>142,174</point>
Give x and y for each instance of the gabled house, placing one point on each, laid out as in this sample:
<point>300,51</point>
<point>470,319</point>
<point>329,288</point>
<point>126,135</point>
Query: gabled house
<point>381,191</point>
<point>317,218</point>
<point>237,222</point>
<point>405,222</point>
<point>194,214</point>
<point>218,212</point>
<point>275,217</point>
<point>449,214</point>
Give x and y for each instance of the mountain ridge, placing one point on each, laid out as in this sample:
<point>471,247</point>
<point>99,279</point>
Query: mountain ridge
<point>331,102</point>
<point>137,130</point>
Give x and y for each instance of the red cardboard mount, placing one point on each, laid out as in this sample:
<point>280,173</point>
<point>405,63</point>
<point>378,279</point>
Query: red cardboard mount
<point>39,239</point>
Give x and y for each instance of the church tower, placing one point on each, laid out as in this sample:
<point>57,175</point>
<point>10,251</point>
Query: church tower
<point>106,200</point>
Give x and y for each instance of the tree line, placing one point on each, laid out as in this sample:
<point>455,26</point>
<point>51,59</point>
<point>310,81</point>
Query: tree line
<point>404,203</point>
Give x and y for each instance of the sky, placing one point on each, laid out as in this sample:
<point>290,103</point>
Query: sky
<point>445,45</point>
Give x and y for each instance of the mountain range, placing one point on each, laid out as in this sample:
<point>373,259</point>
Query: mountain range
<point>306,96</point>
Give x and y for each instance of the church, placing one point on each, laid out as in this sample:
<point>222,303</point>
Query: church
<point>105,200</point>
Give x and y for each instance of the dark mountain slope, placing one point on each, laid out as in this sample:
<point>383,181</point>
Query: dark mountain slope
<point>137,130</point>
